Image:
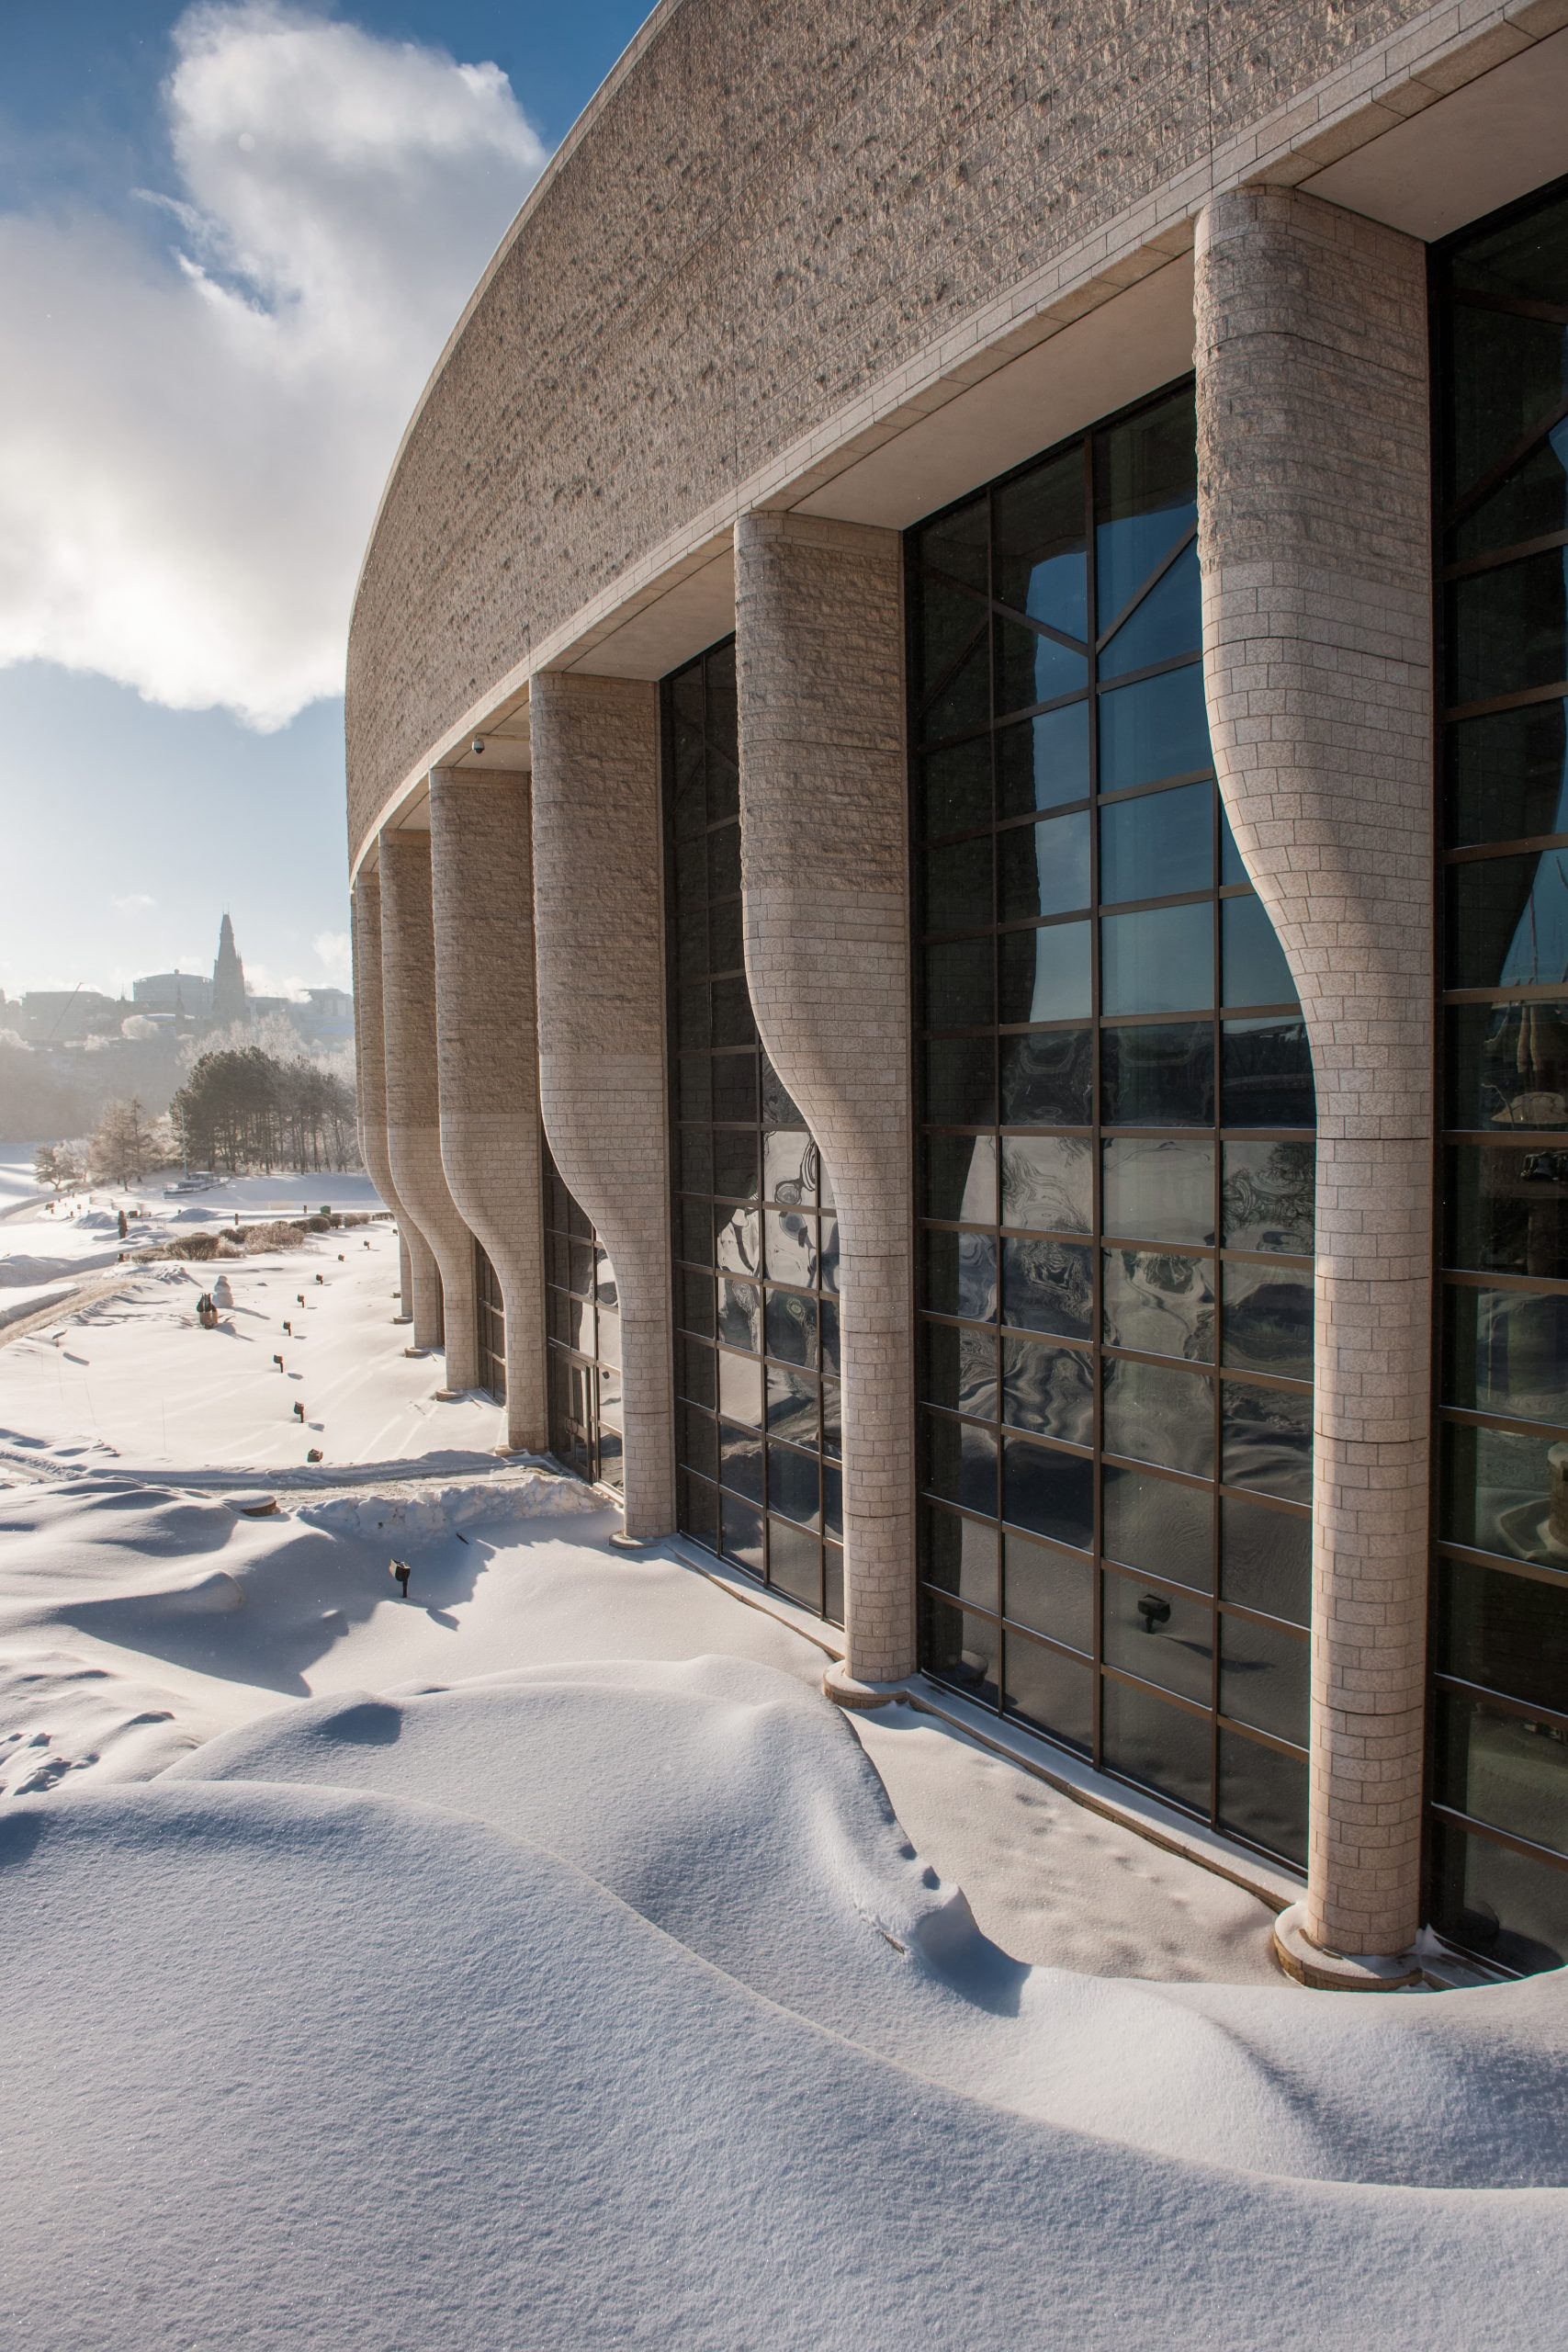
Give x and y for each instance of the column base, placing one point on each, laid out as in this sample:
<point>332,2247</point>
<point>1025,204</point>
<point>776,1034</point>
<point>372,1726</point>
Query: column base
<point>1334,1971</point>
<point>621,1542</point>
<point>402,1319</point>
<point>846,1689</point>
<point>416,1352</point>
<point>447,1396</point>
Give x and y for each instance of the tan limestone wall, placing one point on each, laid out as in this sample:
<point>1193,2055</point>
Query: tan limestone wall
<point>824,832</point>
<point>417,1277</point>
<point>1314,536</point>
<point>487,1054</point>
<point>414,1112</point>
<point>599,933</point>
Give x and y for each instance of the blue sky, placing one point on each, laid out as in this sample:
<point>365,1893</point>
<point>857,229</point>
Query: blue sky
<point>195,423</point>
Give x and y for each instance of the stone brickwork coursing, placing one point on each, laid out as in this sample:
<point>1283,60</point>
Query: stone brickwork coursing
<point>371,1067</point>
<point>824,832</point>
<point>487,1044</point>
<point>414,1111</point>
<point>599,930</point>
<point>774,210</point>
<point>1314,536</point>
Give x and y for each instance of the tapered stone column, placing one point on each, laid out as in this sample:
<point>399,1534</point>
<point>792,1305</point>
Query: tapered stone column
<point>488,1054</point>
<point>599,932</point>
<point>1314,526</point>
<point>419,1284</point>
<point>824,827</point>
<point>414,1111</point>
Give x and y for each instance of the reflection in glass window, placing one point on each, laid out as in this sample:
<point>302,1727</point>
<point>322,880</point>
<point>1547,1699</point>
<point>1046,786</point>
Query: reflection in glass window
<point>1116,1185</point>
<point>582,1330</point>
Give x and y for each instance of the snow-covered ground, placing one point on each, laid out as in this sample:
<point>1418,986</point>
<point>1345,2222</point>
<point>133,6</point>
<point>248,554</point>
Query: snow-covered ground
<point>541,1961</point>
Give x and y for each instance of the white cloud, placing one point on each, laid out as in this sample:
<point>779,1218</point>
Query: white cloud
<point>192,441</point>
<point>135,902</point>
<point>334,953</point>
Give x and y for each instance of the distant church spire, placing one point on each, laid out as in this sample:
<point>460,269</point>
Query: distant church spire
<point>228,979</point>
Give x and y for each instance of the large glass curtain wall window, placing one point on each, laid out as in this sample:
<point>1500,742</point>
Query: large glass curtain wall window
<point>1117,1155</point>
<point>756,1241</point>
<point>582,1326</point>
<point>1499,1766</point>
<point>490,1324</point>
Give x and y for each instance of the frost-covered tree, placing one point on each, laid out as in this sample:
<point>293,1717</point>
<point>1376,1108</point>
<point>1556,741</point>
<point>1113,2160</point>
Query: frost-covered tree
<point>123,1148</point>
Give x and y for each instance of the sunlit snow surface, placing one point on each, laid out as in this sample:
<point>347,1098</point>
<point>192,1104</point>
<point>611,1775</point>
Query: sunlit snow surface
<point>539,1963</point>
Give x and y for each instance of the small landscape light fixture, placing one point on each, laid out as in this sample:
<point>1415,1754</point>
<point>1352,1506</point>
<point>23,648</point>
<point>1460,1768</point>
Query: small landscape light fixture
<point>321,1278</point>
<point>314,1454</point>
<point>299,1412</point>
<point>288,1330</point>
<point>278,1362</point>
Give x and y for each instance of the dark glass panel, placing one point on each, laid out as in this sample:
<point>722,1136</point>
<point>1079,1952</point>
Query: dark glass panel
<point>827,1319</point>
<point>1048,1493</point>
<point>1048,1391</point>
<point>724,862</point>
<point>1145,488</point>
<point>778,1110</point>
<point>1048,1286</point>
<point>947,619</point>
<point>1159,1076</point>
<point>1047,974</point>
<point>699,1510</point>
<point>741,1533</point>
<point>1160,1302</point>
<point>1232,867</point>
<point>1048,1182</point>
<point>734,1154</point>
<point>1507,1770</point>
<point>790,1325</point>
<point>1508,1632</point>
<point>792,1406</point>
<point>734,1088</point>
<point>1050,1692</point>
<point>1158,1188</point>
<point>1266,1079</point>
<point>1269,1320</point>
<point>1531,503</point>
<point>1148,1740</point>
<point>961,1556</point>
<point>960,1178</point>
<point>1051,1592</point>
<point>1167,623</point>
<point>1032,669</point>
<point>694,1370</point>
<point>695,1302</point>
<point>1506,922</point>
<point>960,990</point>
<point>795,1561</point>
<point>1526,256</point>
<point>1507,1351</point>
<point>1253,966</point>
<point>960,1648</point>
<point>1508,776</point>
<point>1262,1795</point>
<point>1157,728</point>
<point>1158,1413</point>
<point>833,1500</point>
<point>833,1584</point>
<point>1267,1441</point>
<point>960,1463</point>
<point>828,1261</point>
<point>1266,1559</point>
<point>693,1157</point>
<point>1038,542</point>
<point>693,1027</point>
<point>699,1441</point>
<point>1264,1676</point>
<point>960,1087</point>
<point>726,953</point>
<point>1504,1905</point>
<point>1047,1080</point>
<point>718,677</point>
<point>737,1246</point>
<point>792,1247</point>
<point>740,1389</point>
<point>1158,961</point>
<point>724,787</point>
<point>795,1480</point>
<point>1154,1524</point>
<point>1505,1493</point>
<point>958,543</point>
<point>958,787</point>
<point>1158,845</point>
<point>693,1086</point>
<point>1506,1210</point>
<point>832,1417</point>
<point>740,1461</point>
<point>1267,1200</point>
<point>732,1022</point>
<point>1506,629</point>
<point>1161,1638</point>
<point>958,1369</point>
<point>1043,763</point>
<point>964,703</point>
<point>1507,1066</point>
<point>956,887</point>
<point>1510,375</point>
<point>1043,869</point>
<point>740,1315</point>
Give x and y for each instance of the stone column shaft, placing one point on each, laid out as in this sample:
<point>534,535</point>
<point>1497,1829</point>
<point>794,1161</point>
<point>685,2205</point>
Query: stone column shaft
<point>414,1111</point>
<point>824,832</point>
<point>1315,537</point>
<point>487,1056</point>
<point>418,1282</point>
<point>599,933</point>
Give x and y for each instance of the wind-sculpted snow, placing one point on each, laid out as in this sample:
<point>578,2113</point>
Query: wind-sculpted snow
<point>735,1810</point>
<point>354,2071</point>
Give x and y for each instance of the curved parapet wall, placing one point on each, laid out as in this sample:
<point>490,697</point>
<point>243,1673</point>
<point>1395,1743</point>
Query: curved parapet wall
<point>773,223</point>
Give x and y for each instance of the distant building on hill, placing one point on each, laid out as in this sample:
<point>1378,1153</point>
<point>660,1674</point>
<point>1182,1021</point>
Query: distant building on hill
<point>187,995</point>
<point>229,1000</point>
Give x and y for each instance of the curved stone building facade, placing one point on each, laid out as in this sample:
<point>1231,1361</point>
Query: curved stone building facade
<point>1012,565</point>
